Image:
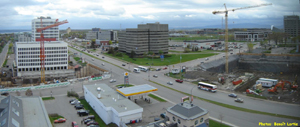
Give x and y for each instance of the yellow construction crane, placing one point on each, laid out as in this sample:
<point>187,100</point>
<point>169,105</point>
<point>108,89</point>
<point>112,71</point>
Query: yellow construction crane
<point>226,27</point>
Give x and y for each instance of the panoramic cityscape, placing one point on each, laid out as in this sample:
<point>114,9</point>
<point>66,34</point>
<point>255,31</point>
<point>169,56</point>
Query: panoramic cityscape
<point>150,63</point>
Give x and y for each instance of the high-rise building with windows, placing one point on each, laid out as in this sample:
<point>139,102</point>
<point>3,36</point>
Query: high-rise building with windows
<point>51,34</point>
<point>292,25</point>
<point>150,37</point>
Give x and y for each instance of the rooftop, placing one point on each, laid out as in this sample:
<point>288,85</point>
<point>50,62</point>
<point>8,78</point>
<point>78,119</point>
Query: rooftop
<point>111,98</point>
<point>135,90</point>
<point>37,42</point>
<point>187,111</point>
<point>31,111</point>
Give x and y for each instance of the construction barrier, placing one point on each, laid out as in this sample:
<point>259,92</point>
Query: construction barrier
<point>35,87</point>
<point>237,82</point>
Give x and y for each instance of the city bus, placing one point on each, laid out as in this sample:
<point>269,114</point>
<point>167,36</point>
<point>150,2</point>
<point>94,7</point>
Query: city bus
<point>145,69</point>
<point>207,87</point>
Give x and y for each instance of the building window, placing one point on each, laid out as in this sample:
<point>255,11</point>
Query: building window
<point>196,122</point>
<point>174,118</point>
<point>201,120</point>
<point>3,122</point>
<point>178,120</point>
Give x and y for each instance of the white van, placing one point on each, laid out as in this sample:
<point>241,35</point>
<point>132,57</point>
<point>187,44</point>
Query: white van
<point>136,70</point>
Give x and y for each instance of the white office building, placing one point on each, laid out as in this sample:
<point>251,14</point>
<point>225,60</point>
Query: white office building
<point>27,57</point>
<point>111,106</point>
<point>51,34</point>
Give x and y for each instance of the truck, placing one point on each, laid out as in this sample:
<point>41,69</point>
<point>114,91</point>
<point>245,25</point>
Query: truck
<point>175,71</point>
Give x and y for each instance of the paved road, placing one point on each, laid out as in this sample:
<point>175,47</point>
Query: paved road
<point>236,117</point>
<point>3,54</point>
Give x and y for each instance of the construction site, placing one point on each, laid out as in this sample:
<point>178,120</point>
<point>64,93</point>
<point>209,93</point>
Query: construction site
<point>269,76</point>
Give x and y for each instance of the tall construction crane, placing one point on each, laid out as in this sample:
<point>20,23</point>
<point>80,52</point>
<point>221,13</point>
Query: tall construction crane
<point>226,27</point>
<point>42,48</point>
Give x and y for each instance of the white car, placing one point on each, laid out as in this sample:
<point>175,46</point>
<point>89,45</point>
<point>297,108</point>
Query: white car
<point>206,59</point>
<point>75,102</point>
<point>170,83</point>
<point>112,80</point>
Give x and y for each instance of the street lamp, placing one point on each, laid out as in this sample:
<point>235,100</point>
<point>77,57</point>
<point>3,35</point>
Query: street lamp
<point>192,93</point>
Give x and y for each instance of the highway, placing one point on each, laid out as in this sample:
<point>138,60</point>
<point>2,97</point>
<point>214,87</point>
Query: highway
<point>3,54</point>
<point>238,118</point>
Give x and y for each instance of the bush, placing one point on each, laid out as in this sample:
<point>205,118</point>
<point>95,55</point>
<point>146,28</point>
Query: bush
<point>119,54</point>
<point>53,115</point>
<point>72,94</point>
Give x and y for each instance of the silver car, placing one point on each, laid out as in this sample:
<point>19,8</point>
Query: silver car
<point>170,83</point>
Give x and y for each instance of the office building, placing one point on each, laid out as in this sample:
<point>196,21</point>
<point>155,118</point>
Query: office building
<point>68,30</point>
<point>23,112</point>
<point>251,35</point>
<point>22,37</point>
<point>111,106</point>
<point>102,35</point>
<point>51,34</point>
<point>292,25</point>
<point>28,61</point>
<point>150,37</point>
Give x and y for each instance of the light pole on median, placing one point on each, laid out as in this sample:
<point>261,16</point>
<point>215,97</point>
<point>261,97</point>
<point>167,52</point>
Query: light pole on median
<point>192,94</point>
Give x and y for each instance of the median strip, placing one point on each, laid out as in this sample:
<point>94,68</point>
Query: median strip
<point>231,106</point>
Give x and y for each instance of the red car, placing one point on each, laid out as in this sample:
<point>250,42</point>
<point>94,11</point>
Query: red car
<point>74,124</point>
<point>165,68</point>
<point>179,80</point>
<point>60,120</point>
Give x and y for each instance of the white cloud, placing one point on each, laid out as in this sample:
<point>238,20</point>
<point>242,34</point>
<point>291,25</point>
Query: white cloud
<point>149,17</point>
<point>176,16</point>
<point>189,16</point>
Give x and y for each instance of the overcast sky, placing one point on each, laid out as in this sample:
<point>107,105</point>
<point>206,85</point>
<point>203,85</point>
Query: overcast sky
<point>113,14</point>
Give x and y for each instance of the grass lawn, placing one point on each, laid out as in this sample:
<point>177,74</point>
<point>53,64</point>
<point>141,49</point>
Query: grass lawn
<point>92,112</point>
<point>256,96</point>
<point>48,98</point>
<point>267,51</point>
<point>176,76</point>
<point>54,117</point>
<point>213,123</point>
<point>4,64</point>
<point>129,85</point>
<point>76,58</point>
<point>173,59</point>
<point>157,98</point>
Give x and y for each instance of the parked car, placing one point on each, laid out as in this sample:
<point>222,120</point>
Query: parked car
<point>89,117</point>
<point>239,100</point>
<point>83,112</point>
<point>179,80</point>
<point>93,126</point>
<point>86,121</point>
<point>103,57</point>
<point>232,95</point>
<point>75,102</point>
<point>112,80</point>
<point>206,59</point>
<point>163,115</point>
<point>155,76</point>
<point>170,83</point>
<point>158,69</point>
<point>72,100</point>
<point>92,123</point>
<point>79,107</point>
<point>74,124</point>
<point>123,64</point>
<point>60,120</point>
<point>102,64</point>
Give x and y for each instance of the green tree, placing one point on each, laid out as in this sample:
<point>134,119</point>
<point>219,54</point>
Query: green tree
<point>150,53</point>
<point>132,54</point>
<point>111,50</point>
<point>110,42</point>
<point>145,54</point>
<point>196,48</point>
<point>188,46</point>
<point>186,50</point>
<point>93,43</point>
<point>116,48</point>
<point>160,52</point>
<point>117,41</point>
<point>250,47</point>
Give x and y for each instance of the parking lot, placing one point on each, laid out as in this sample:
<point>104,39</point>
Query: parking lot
<point>61,106</point>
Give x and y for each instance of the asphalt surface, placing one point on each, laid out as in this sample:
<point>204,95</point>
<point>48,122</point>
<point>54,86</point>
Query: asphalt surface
<point>238,118</point>
<point>3,54</point>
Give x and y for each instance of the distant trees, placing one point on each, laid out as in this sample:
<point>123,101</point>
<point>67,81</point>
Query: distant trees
<point>278,37</point>
<point>93,43</point>
<point>250,47</point>
<point>160,52</point>
<point>110,42</point>
<point>132,54</point>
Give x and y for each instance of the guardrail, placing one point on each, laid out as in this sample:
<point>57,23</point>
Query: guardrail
<point>35,87</point>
